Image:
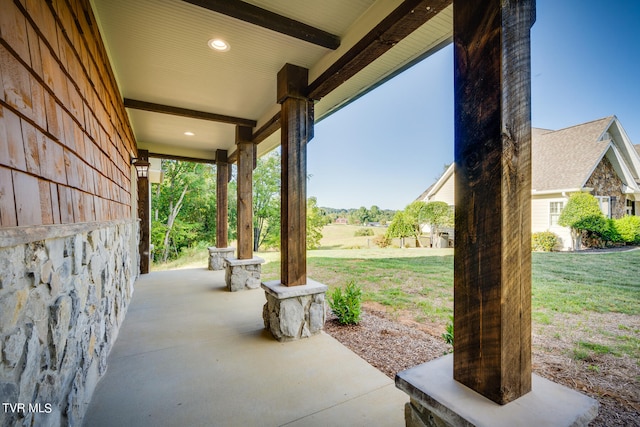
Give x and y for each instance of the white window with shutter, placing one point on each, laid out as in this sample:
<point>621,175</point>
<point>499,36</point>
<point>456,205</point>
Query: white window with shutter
<point>605,205</point>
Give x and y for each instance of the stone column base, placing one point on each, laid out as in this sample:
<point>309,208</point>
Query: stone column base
<point>294,312</point>
<point>243,273</point>
<point>437,400</point>
<point>217,257</point>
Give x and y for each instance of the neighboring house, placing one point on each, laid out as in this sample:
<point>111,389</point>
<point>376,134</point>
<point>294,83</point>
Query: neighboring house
<point>595,157</point>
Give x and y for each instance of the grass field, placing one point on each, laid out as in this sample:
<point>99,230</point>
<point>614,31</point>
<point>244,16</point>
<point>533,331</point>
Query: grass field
<point>338,236</point>
<point>571,293</point>
<point>589,300</point>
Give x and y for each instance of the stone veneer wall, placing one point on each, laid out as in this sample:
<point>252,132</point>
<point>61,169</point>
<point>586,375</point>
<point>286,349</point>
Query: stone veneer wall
<point>605,182</point>
<point>62,301</point>
<point>68,245</point>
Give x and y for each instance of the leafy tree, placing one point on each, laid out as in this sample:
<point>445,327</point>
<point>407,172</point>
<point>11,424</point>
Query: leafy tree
<point>266,202</point>
<point>232,200</point>
<point>437,215</point>
<point>188,191</point>
<point>582,213</point>
<point>400,226</point>
<point>416,214</point>
<point>362,215</point>
<point>374,213</point>
<point>315,222</point>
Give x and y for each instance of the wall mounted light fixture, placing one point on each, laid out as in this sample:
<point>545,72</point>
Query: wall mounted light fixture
<point>142,167</point>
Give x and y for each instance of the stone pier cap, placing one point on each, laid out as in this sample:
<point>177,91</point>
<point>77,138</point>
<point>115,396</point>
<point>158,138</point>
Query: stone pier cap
<point>277,289</point>
<point>435,394</point>
<point>250,261</point>
<point>215,249</point>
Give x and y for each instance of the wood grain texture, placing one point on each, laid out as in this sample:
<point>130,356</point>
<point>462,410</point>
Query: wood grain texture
<point>222,199</point>
<point>295,131</point>
<point>406,18</point>
<point>7,200</point>
<point>185,112</point>
<point>61,116</point>
<point>264,18</point>
<point>144,214</point>
<point>492,284</point>
<point>245,150</point>
<point>181,158</point>
<point>272,125</point>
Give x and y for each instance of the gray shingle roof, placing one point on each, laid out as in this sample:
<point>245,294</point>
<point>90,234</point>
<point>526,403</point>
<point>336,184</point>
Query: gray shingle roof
<point>565,158</point>
<point>424,193</point>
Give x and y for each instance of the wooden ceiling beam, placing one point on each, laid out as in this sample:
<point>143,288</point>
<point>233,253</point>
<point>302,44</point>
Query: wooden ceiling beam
<point>267,129</point>
<point>405,19</point>
<point>184,112</point>
<point>182,158</point>
<point>264,18</point>
<point>233,157</point>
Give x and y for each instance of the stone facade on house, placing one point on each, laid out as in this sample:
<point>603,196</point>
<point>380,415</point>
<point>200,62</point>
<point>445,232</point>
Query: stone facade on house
<point>62,301</point>
<point>605,182</point>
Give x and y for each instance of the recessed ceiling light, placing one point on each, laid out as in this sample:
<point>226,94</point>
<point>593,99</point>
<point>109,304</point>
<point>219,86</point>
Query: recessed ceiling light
<point>219,45</point>
<point>189,133</point>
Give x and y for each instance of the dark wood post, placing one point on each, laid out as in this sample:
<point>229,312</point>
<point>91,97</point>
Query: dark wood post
<point>296,130</point>
<point>222,199</point>
<point>144,214</point>
<point>246,154</point>
<point>492,285</point>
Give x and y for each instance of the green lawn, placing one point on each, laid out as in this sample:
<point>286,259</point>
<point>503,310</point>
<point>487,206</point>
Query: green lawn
<point>562,282</point>
<point>566,288</point>
<point>575,282</point>
<point>571,292</point>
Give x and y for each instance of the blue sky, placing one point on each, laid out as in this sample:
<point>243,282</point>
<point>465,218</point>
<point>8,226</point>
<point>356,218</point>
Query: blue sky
<point>387,147</point>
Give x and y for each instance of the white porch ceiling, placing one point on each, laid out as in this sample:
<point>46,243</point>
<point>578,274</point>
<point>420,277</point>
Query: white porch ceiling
<point>158,50</point>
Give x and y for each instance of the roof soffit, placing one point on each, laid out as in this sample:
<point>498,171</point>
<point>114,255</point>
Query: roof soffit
<point>158,50</point>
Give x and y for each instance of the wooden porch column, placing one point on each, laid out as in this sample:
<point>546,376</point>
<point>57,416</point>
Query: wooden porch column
<point>222,199</point>
<point>296,131</point>
<point>246,162</point>
<point>492,285</point>
<point>144,214</point>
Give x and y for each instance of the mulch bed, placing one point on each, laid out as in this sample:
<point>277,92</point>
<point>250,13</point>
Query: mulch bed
<point>392,346</point>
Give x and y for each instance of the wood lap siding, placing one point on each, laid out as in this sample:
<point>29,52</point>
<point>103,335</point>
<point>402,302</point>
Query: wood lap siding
<point>64,134</point>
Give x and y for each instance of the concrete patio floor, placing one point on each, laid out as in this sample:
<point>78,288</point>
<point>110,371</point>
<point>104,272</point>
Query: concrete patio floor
<point>189,353</point>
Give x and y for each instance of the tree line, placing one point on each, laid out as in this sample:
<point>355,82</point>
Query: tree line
<point>360,216</point>
<point>184,208</point>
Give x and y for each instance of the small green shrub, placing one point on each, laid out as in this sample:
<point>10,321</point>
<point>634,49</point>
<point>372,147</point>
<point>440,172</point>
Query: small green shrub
<point>347,306</point>
<point>628,227</point>
<point>363,232</point>
<point>544,241</point>
<point>611,234</point>
<point>382,241</point>
<point>448,332</point>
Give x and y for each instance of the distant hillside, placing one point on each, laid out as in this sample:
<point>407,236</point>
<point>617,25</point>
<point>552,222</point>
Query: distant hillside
<point>361,215</point>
